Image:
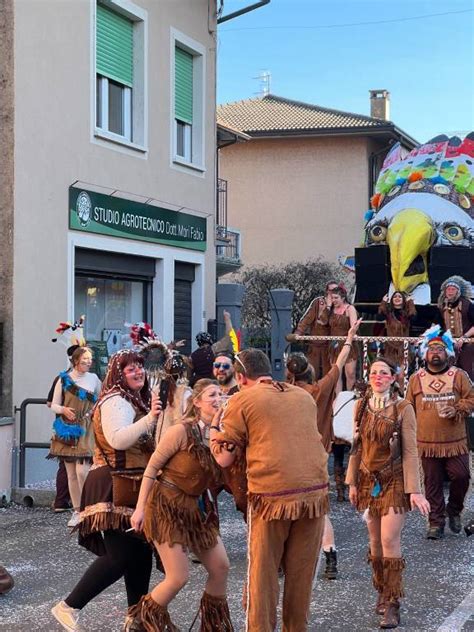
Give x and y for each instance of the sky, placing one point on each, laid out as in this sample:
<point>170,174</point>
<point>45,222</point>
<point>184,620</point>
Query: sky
<point>332,52</point>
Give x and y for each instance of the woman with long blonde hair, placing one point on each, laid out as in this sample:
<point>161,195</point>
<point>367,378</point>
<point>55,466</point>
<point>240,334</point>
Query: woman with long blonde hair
<point>173,519</point>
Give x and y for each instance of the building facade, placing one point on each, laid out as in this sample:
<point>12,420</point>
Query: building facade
<point>107,180</point>
<point>299,188</point>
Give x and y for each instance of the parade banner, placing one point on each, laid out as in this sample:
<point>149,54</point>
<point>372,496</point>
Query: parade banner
<point>117,217</point>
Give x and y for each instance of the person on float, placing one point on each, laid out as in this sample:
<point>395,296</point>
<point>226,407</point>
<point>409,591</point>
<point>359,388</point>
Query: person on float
<point>456,313</point>
<point>301,373</point>
<point>383,479</point>
<point>340,316</point>
<point>201,360</point>
<point>312,325</point>
<point>443,397</point>
<point>287,483</point>
<point>124,421</point>
<point>398,312</point>
<point>74,396</point>
<point>169,513</point>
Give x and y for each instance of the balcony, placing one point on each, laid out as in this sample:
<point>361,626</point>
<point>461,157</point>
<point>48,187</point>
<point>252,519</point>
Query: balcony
<point>227,239</point>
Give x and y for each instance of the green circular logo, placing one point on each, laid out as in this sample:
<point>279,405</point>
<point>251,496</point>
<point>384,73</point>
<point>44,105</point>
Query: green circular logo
<point>84,209</point>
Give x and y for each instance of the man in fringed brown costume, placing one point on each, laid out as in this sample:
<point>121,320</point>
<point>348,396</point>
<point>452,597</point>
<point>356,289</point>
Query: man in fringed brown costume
<point>272,424</point>
<point>442,396</point>
<point>457,314</point>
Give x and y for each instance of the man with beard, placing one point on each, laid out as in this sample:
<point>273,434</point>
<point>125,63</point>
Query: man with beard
<point>457,315</point>
<point>442,396</point>
<point>223,371</point>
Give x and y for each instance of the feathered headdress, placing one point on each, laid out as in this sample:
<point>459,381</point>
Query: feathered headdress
<point>154,351</point>
<point>71,335</point>
<point>435,335</point>
<point>464,287</point>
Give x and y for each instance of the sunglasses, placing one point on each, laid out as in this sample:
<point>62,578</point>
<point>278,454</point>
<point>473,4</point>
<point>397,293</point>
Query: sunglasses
<point>224,365</point>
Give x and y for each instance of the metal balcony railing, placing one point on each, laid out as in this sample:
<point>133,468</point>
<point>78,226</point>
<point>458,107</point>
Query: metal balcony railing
<point>221,218</point>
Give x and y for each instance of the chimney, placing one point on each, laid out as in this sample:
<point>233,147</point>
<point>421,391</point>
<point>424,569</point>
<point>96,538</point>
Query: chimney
<point>380,104</point>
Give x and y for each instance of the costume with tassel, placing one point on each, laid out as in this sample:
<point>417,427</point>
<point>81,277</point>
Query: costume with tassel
<point>287,498</point>
<point>175,512</point>
<point>384,479</point>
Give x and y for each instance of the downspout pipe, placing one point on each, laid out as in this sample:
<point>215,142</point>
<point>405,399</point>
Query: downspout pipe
<point>236,14</point>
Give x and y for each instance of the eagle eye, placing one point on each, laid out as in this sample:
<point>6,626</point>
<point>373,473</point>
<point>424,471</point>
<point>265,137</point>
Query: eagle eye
<point>453,232</point>
<point>377,233</point>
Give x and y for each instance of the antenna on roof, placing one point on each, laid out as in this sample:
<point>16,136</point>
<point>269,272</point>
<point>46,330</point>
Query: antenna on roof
<point>265,78</point>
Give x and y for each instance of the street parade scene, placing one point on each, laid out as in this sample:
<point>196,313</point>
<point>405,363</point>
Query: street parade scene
<point>236,336</point>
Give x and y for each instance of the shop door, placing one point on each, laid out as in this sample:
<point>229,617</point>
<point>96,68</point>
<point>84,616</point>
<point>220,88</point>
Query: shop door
<point>110,290</point>
<point>183,305</point>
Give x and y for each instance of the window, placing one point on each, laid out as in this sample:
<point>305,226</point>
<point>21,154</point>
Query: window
<point>188,101</point>
<point>120,108</point>
<point>183,105</point>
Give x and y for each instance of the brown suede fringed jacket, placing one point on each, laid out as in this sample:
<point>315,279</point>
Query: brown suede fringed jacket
<point>275,426</point>
<point>441,436</point>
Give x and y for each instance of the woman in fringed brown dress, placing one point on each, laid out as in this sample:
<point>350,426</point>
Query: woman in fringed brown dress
<point>383,475</point>
<point>340,316</point>
<point>124,422</point>
<point>170,513</point>
<point>398,312</point>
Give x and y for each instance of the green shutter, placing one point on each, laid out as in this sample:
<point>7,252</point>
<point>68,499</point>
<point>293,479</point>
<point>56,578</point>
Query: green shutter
<point>183,86</point>
<point>114,47</point>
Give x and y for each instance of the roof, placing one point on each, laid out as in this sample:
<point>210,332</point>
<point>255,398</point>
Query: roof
<point>272,115</point>
<point>228,135</point>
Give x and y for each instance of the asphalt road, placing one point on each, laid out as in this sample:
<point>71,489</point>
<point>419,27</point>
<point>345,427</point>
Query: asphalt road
<point>46,563</point>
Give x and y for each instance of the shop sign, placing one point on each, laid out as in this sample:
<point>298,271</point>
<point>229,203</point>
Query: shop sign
<point>92,212</point>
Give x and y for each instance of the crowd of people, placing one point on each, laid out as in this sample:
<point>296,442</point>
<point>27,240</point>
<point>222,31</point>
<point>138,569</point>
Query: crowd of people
<point>144,465</point>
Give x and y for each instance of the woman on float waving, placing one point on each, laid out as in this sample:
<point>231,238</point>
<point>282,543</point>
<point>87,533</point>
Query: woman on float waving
<point>169,512</point>
<point>341,316</point>
<point>383,475</point>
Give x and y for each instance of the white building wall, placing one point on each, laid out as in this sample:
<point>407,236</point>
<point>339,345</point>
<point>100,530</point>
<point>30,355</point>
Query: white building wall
<point>55,146</point>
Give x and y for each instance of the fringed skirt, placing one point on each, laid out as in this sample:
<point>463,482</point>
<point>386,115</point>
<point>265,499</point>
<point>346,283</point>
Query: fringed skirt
<point>174,517</point>
<point>392,494</point>
<point>98,512</point>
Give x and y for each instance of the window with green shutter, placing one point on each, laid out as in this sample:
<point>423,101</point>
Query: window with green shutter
<point>183,86</point>
<point>114,53</point>
<point>114,70</point>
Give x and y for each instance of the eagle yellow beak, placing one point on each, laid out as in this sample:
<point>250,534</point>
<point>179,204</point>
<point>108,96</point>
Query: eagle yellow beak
<point>409,237</point>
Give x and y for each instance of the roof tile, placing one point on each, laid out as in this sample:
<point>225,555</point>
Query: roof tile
<point>271,113</point>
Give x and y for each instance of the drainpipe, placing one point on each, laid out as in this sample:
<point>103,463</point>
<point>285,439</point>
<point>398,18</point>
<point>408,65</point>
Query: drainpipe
<point>236,14</point>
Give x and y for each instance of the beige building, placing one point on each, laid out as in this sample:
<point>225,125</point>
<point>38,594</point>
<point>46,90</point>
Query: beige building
<point>107,181</point>
<point>300,187</point>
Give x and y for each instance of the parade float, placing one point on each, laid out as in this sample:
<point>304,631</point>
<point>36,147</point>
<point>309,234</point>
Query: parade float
<point>420,229</point>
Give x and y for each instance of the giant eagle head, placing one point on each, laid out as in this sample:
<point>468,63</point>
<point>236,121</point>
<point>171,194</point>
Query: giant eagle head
<point>423,199</point>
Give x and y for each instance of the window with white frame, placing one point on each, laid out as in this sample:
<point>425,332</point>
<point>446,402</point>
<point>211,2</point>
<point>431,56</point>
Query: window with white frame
<point>183,102</point>
<point>120,76</point>
<point>189,86</point>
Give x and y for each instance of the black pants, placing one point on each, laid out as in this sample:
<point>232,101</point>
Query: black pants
<point>126,556</point>
<point>338,451</point>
